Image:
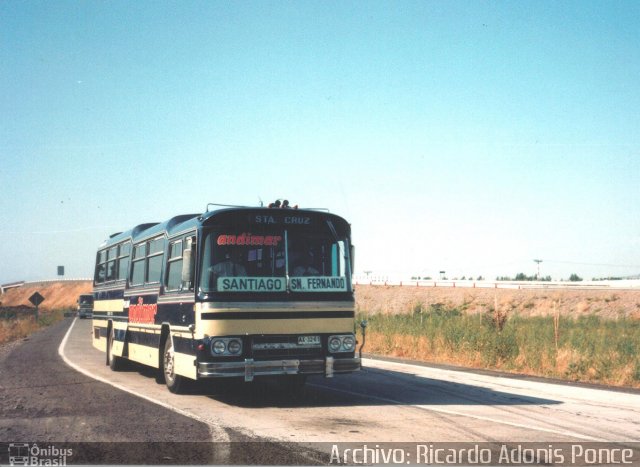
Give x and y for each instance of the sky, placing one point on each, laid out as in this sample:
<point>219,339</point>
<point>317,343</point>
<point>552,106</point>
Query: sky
<point>466,136</point>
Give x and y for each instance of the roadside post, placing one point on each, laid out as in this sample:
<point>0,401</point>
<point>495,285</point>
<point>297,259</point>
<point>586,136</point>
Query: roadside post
<point>36,299</point>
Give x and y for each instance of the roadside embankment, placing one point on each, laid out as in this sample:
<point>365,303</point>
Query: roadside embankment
<point>17,317</point>
<point>57,294</point>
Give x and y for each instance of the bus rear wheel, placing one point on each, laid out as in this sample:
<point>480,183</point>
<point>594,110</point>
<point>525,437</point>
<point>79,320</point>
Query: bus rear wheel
<point>175,383</point>
<point>115,363</point>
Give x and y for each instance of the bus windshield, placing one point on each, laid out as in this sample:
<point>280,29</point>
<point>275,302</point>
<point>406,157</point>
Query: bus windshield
<point>275,260</point>
<point>85,300</point>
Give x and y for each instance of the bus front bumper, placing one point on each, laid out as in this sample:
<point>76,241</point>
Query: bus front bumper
<point>250,368</point>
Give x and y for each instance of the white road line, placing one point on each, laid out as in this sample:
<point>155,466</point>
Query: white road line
<point>463,414</point>
<point>218,434</point>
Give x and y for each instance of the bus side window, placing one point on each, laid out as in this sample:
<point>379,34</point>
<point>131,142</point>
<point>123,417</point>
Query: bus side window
<point>111,264</point>
<point>188,265</point>
<point>174,266</point>
<point>100,267</point>
<point>154,260</point>
<point>123,260</point>
<point>137,270</point>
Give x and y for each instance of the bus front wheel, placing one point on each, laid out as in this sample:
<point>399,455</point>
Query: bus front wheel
<point>175,383</point>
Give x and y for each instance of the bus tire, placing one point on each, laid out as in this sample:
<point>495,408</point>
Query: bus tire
<point>175,383</point>
<point>115,363</point>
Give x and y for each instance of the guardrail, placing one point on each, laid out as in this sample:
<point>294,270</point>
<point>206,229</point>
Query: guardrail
<point>590,285</point>
<point>10,285</point>
<point>46,281</point>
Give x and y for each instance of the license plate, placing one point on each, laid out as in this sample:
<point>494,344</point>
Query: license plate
<point>309,340</point>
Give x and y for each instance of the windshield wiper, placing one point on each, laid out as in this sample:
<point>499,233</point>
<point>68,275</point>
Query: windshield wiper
<point>333,230</point>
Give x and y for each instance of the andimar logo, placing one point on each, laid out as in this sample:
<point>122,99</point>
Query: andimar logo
<point>32,454</point>
<point>142,312</point>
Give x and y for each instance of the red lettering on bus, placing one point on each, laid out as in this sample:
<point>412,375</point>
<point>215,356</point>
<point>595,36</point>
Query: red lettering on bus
<point>247,239</point>
<point>143,313</point>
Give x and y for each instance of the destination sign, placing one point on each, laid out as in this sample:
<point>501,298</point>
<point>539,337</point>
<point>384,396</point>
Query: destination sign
<point>318,284</point>
<point>279,284</point>
<point>288,220</point>
<point>251,284</point>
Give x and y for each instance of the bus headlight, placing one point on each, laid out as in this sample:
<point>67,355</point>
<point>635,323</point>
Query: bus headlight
<point>226,346</point>
<point>234,346</point>
<point>218,347</point>
<point>334,344</point>
<point>346,343</point>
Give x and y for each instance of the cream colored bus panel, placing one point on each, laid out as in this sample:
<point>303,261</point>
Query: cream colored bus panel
<point>275,326</point>
<point>105,306</point>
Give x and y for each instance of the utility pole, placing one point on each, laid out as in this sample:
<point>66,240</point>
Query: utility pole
<point>538,261</point>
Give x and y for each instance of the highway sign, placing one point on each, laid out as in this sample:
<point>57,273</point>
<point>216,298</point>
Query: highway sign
<point>36,299</point>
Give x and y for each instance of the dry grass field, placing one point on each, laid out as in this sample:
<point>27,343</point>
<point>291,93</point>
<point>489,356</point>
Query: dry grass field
<point>580,335</point>
<point>608,304</point>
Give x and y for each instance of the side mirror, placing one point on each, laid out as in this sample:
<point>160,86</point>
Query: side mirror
<point>363,324</point>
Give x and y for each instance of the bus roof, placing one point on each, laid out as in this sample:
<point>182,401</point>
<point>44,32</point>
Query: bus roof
<point>151,229</point>
<point>187,222</point>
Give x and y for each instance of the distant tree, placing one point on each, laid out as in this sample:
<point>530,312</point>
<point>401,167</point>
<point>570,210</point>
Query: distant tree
<point>521,276</point>
<point>575,278</point>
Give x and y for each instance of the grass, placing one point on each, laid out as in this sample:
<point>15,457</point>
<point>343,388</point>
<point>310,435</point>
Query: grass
<point>14,326</point>
<point>587,348</point>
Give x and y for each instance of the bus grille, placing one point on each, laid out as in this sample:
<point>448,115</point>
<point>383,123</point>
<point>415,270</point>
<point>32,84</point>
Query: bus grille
<point>267,347</point>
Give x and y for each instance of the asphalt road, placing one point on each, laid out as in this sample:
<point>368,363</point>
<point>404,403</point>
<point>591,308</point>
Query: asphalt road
<point>57,389</point>
<point>44,402</point>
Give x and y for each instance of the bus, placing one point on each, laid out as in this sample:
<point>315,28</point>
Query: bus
<point>235,291</point>
<point>85,306</point>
